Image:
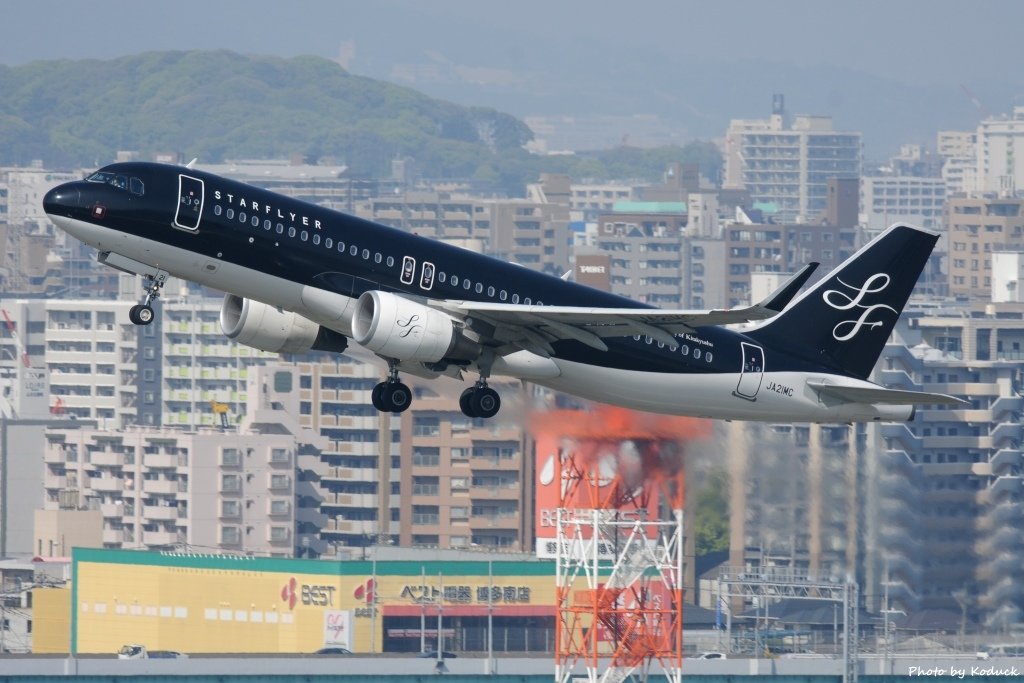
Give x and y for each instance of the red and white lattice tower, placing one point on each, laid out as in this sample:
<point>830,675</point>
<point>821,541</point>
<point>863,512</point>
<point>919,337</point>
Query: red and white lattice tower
<point>619,595</point>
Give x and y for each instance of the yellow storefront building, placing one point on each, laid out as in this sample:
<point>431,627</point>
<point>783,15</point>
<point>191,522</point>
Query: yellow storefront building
<point>197,603</point>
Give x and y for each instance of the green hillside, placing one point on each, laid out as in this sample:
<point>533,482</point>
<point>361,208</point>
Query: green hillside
<point>219,105</point>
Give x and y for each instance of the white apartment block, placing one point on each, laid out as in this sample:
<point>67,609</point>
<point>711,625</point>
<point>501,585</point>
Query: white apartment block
<point>902,199</point>
<point>198,364</point>
<point>959,169</point>
<point>21,194</point>
<point>208,489</point>
<point>789,169</point>
<point>999,154</point>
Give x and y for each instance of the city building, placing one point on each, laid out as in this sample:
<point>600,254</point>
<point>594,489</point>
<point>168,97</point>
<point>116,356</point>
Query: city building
<point>787,170</point>
<point>948,482</point>
<point>890,199</point>
<point>977,226</point>
<point>1000,166</point>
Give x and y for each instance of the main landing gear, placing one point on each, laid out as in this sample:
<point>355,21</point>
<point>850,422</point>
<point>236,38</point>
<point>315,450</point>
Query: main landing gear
<point>480,400</point>
<point>142,314</point>
<point>391,396</point>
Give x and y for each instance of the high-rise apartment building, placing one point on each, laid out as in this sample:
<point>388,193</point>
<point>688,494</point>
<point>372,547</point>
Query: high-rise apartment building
<point>892,199</point>
<point>948,484</point>
<point>999,154</point>
<point>787,169</point>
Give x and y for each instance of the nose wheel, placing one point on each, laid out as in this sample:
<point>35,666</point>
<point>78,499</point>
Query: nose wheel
<point>480,401</point>
<point>391,395</point>
<point>142,314</point>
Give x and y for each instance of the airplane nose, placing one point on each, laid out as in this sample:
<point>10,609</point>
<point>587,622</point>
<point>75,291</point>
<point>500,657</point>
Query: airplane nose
<point>61,198</point>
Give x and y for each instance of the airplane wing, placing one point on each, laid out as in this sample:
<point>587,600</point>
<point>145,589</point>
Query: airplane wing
<point>534,328</point>
<point>883,395</point>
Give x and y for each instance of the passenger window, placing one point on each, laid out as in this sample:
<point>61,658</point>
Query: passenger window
<point>378,257</point>
<point>291,231</point>
<point>366,254</point>
<point>255,221</point>
<point>316,238</point>
<point>441,277</point>
<point>136,186</point>
<point>230,213</point>
<point>242,216</point>
<point>490,292</point>
<point>341,247</point>
<point>328,243</point>
<point>685,349</point>
<point>391,263</point>
<point>527,302</point>
<point>267,225</point>
<point>503,295</point>
<point>707,356</point>
<point>515,298</point>
<point>280,228</point>
<point>354,250</point>
<point>696,354</point>
<point>466,284</point>
<point>479,288</point>
<point>304,236</point>
<point>217,210</point>
<point>455,280</point>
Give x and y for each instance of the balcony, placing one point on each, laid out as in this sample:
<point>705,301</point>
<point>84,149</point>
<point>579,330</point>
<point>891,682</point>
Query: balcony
<point>159,513</point>
<point>106,459</point>
<point>54,456</point>
<point>365,526</point>
<point>159,538</point>
<point>112,510</point>
<point>350,500</point>
<point>160,460</point>
<point>160,486</point>
<point>106,484</point>
<point>113,536</point>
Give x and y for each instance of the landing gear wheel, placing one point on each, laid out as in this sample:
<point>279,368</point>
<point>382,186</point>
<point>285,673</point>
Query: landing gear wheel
<point>480,401</point>
<point>485,402</point>
<point>397,396</point>
<point>377,397</point>
<point>141,314</point>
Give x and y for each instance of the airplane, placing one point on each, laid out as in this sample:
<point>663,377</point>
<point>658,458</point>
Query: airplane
<point>301,277</point>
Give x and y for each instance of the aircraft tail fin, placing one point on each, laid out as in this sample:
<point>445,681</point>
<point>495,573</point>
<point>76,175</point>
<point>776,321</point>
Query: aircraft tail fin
<point>844,320</point>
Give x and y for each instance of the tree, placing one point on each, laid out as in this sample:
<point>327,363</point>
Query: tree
<point>711,514</point>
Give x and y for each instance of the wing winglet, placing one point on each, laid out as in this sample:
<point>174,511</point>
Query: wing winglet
<point>780,298</point>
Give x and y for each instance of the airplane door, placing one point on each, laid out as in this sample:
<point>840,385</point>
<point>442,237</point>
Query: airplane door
<point>752,371</point>
<point>190,202</point>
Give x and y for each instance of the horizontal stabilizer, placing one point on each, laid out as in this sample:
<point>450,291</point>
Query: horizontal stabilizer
<point>883,395</point>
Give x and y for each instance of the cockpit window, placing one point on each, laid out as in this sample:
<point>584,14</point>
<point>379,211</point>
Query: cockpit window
<point>119,181</point>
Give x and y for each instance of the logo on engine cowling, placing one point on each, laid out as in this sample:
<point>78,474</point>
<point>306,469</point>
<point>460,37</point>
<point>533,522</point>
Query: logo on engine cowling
<point>409,326</point>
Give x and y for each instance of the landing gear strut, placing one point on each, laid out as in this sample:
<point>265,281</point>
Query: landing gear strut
<point>391,396</point>
<point>142,314</point>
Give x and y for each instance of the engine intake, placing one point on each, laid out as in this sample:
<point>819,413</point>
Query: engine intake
<point>268,328</point>
<point>396,327</point>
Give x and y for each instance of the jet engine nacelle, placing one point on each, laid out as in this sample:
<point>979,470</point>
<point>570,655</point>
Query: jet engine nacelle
<point>268,328</point>
<point>395,327</point>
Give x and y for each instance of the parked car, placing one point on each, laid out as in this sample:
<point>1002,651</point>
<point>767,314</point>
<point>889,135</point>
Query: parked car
<point>140,652</point>
<point>710,655</point>
<point>333,651</point>
<point>432,654</point>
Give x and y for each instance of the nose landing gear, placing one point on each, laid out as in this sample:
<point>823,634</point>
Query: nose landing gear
<point>142,314</point>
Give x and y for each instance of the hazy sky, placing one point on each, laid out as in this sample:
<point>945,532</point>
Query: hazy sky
<point>927,41</point>
<point>895,69</point>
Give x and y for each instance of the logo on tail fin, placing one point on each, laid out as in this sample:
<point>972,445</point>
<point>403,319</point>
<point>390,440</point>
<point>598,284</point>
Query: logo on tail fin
<point>847,302</point>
